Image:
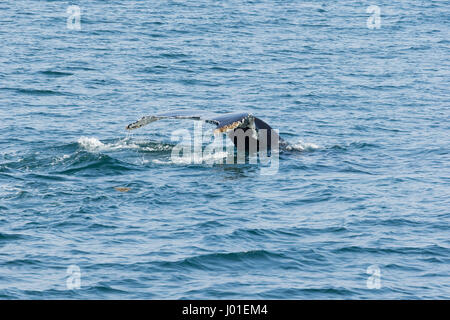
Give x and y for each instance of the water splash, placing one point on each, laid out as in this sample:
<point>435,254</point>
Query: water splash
<point>302,146</point>
<point>93,144</point>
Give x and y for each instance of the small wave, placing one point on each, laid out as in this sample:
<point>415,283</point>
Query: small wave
<point>56,73</point>
<point>40,92</point>
<point>157,69</point>
<point>10,191</point>
<point>432,250</point>
<point>225,260</point>
<point>354,145</point>
<point>92,163</point>
<point>103,288</point>
<point>302,293</point>
<point>10,236</point>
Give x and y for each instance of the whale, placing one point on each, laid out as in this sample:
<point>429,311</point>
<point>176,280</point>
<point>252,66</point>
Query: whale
<point>247,132</point>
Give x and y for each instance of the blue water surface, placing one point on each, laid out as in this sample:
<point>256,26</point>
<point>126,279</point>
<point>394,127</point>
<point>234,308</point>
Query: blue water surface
<point>365,186</point>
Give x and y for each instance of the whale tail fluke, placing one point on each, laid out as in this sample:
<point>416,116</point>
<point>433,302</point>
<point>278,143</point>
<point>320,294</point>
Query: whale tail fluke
<point>234,124</point>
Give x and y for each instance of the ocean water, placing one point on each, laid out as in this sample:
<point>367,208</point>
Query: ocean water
<point>358,208</point>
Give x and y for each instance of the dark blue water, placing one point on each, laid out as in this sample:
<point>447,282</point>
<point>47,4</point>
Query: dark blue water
<point>367,183</point>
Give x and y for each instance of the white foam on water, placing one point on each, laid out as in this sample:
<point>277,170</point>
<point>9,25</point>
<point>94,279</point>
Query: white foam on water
<point>157,148</point>
<point>90,144</point>
<point>60,159</point>
<point>302,146</point>
<point>207,159</point>
<point>93,144</point>
<point>9,190</point>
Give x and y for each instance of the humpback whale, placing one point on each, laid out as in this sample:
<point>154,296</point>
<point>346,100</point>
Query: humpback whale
<point>243,128</point>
